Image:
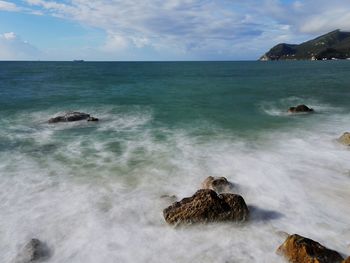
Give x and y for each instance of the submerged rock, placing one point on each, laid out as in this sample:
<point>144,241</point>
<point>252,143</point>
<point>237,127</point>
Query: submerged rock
<point>298,249</point>
<point>345,139</point>
<point>218,184</point>
<point>33,251</point>
<point>207,206</point>
<point>72,116</point>
<point>300,108</point>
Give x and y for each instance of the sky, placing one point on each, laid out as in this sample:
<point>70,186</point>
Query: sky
<point>161,30</point>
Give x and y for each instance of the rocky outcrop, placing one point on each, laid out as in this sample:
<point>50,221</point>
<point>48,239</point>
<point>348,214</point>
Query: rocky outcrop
<point>345,139</point>
<point>33,251</point>
<point>298,249</point>
<point>217,184</point>
<point>207,206</point>
<point>299,109</point>
<point>73,116</point>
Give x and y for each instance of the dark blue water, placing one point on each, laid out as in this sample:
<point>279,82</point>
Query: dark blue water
<point>229,94</point>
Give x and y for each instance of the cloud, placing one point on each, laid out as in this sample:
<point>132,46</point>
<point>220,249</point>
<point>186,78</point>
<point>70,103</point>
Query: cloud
<point>200,29</point>
<point>7,6</point>
<point>114,43</point>
<point>9,36</point>
<point>178,25</point>
<point>326,16</point>
<point>12,47</point>
<point>310,16</point>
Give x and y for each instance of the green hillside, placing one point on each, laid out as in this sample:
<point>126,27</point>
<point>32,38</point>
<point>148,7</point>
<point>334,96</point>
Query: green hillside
<point>333,45</point>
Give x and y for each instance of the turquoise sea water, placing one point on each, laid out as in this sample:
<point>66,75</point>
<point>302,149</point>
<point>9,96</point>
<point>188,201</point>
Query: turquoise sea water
<point>92,190</point>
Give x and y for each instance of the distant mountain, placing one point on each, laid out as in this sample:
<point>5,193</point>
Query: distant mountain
<point>334,45</point>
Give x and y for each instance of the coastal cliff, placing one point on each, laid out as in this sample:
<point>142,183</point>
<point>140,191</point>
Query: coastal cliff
<point>333,45</point>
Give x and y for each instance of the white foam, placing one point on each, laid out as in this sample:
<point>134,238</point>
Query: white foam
<point>96,198</point>
<point>280,107</point>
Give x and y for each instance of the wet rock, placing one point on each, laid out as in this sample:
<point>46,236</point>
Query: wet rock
<point>298,249</point>
<point>345,139</point>
<point>218,184</point>
<point>299,109</point>
<point>33,251</point>
<point>207,206</point>
<point>72,116</point>
<point>92,119</point>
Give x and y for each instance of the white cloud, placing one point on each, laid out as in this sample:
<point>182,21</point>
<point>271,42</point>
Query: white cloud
<point>196,28</point>
<point>7,6</point>
<point>115,43</point>
<point>298,5</point>
<point>140,42</point>
<point>12,47</point>
<point>313,17</point>
<point>327,19</point>
<point>9,36</point>
<point>179,25</point>
<point>49,4</point>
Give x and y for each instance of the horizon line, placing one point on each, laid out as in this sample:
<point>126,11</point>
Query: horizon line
<point>82,60</point>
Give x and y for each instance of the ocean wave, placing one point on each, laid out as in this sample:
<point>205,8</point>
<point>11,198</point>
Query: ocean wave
<point>281,106</point>
<point>99,188</point>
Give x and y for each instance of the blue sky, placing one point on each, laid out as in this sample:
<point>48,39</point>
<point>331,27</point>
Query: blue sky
<point>161,29</point>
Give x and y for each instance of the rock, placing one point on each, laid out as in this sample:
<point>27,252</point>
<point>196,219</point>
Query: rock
<point>57,119</point>
<point>207,206</point>
<point>345,139</point>
<point>300,108</point>
<point>92,119</point>
<point>33,251</point>
<point>347,260</point>
<point>298,249</point>
<point>73,116</point>
<point>218,184</point>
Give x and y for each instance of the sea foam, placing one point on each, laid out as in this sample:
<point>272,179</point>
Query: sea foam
<point>95,194</point>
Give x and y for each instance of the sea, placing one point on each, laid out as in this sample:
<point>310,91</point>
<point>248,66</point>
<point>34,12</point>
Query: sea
<point>94,191</point>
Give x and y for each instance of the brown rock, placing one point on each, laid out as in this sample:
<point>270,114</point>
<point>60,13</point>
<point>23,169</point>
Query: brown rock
<point>218,184</point>
<point>347,260</point>
<point>345,139</point>
<point>207,206</point>
<point>298,249</point>
<point>300,108</point>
